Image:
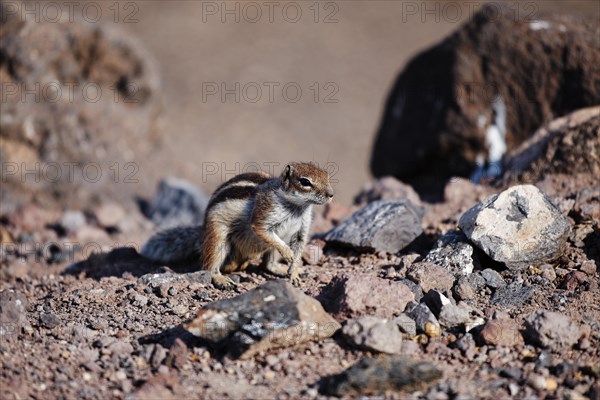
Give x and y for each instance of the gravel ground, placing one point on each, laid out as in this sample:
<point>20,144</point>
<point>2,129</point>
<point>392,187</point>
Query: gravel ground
<point>111,327</point>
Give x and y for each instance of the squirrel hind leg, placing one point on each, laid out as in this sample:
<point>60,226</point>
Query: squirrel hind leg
<point>235,262</point>
<point>230,265</point>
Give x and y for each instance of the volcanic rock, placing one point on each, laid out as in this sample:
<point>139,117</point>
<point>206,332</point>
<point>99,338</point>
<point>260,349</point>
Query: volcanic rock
<point>361,294</point>
<point>273,315</point>
<point>383,225</point>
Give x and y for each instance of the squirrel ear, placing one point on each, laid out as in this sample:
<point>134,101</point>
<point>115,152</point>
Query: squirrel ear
<point>286,173</point>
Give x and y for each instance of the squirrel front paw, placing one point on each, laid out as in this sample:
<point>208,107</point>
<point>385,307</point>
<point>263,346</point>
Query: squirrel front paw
<point>294,274</point>
<point>295,278</point>
<point>223,282</point>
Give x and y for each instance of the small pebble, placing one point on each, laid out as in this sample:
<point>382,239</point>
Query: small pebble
<point>163,370</point>
<point>547,272</point>
<point>584,344</point>
<point>269,375</point>
<point>432,330</point>
<point>537,382</point>
<point>551,384</point>
<point>272,360</point>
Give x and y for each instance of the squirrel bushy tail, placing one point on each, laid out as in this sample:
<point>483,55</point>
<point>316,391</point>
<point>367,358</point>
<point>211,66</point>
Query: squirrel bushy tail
<point>175,245</point>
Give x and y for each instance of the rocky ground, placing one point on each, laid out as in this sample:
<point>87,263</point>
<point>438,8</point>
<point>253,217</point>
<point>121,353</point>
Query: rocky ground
<point>492,291</point>
<point>111,324</point>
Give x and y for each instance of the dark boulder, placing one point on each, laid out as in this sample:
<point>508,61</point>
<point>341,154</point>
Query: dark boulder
<point>457,107</point>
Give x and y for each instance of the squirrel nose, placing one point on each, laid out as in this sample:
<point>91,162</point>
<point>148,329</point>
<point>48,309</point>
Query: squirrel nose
<point>329,193</point>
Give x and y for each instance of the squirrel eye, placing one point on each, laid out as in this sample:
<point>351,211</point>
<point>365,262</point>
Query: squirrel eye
<point>305,182</point>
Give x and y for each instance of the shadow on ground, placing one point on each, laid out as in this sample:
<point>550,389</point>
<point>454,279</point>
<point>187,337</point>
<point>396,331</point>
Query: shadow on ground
<point>120,261</point>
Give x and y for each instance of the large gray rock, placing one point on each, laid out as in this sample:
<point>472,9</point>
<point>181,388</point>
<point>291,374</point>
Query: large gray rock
<point>270,316</point>
<point>380,375</point>
<point>518,227</point>
<point>177,203</point>
<point>383,225</point>
<point>374,334</point>
<point>550,329</point>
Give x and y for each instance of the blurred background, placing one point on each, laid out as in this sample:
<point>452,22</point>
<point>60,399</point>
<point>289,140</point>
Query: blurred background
<point>215,88</point>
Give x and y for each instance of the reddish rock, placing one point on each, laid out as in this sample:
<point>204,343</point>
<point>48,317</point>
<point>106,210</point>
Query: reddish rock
<point>552,330</point>
<point>373,334</point>
<point>159,386</point>
<point>33,218</point>
<point>501,332</point>
<point>177,356</point>
<point>361,294</point>
<point>573,280</point>
<point>566,145</point>
<point>430,276</point>
<point>463,289</point>
<point>462,191</point>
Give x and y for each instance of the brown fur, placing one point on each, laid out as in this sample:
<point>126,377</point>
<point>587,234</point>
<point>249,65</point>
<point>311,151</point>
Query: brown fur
<point>247,215</point>
<point>250,216</point>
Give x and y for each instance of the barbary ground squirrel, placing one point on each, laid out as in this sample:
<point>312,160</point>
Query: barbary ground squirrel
<point>250,216</point>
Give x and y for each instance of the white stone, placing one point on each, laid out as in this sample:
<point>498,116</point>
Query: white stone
<point>519,227</point>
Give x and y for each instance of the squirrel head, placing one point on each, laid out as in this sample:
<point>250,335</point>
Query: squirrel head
<point>306,183</point>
